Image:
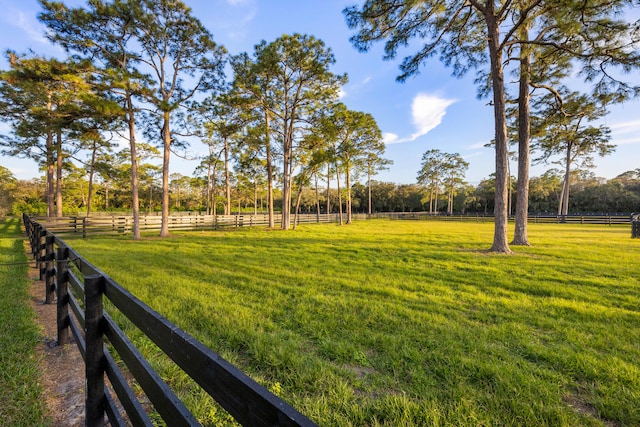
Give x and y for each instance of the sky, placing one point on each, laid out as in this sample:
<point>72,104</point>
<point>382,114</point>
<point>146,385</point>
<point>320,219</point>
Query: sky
<point>432,110</point>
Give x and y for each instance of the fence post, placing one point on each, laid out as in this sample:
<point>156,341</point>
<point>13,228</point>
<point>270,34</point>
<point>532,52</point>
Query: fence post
<point>94,357</point>
<point>50,272</point>
<point>62,294</point>
<point>41,251</point>
<point>84,227</point>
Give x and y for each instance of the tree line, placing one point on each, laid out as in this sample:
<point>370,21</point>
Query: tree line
<point>189,194</point>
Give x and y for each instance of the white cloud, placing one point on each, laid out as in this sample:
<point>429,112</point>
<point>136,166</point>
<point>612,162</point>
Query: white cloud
<point>625,133</point>
<point>428,111</point>
<point>477,145</point>
<point>238,2</point>
<point>390,138</point>
<point>366,80</point>
<point>626,127</point>
<point>626,141</point>
<point>341,93</point>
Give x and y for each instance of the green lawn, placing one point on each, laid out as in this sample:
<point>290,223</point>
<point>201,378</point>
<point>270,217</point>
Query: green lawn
<point>21,401</point>
<point>403,322</point>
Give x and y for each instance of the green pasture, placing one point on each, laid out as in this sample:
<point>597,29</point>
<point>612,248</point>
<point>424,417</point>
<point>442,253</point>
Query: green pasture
<point>21,401</point>
<point>404,322</point>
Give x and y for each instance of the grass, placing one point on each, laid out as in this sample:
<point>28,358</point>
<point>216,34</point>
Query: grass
<point>404,322</point>
<point>21,402</point>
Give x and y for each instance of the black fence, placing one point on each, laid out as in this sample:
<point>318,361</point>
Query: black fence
<point>80,289</point>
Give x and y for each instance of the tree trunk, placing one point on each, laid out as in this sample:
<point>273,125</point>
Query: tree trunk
<point>315,175</point>
<point>297,210</point>
<point>500,235</point>
<point>91,166</point>
<point>521,235</point>
<point>328,188</point>
<point>227,178</point>
<point>369,187</point>
<point>135,187</point>
<point>567,184</point>
<point>339,194</point>
<point>255,196</point>
<point>272,223</point>
<point>166,134</point>
<point>286,181</point>
<point>106,196</point>
<point>59,158</point>
<point>208,203</point>
<point>348,173</point>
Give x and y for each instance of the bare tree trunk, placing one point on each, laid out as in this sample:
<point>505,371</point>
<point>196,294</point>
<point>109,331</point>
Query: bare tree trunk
<point>59,158</point>
<point>567,185</point>
<point>135,187</point>
<point>272,223</point>
<point>50,167</point>
<point>521,235</point>
<point>315,175</point>
<point>255,196</point>
<point>166,133</point>
<point>208,203</point>
<point>227,178</point>
<point>500,235</point>
<point>297,210</point>
<point>349,214</point>
<point>286,180</point>
<point>91,170</point>
<point>369,187</point>
<point>339,194</point>
<point>328,188</point>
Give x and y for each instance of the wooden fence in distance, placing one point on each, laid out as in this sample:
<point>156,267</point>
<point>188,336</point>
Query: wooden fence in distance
<point>533,218</point>
<point>124,223</point>
<point>80,289</point>
<point>110,224</point>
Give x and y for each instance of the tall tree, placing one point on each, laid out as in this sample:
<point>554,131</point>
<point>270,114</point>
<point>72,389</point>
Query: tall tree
<point>254,84</point>
<point>42,99</point>
<point>564,129</point>
<point>184,60</point>
<point>461,32</point>
<point>357,138</point>
<point>103,32</point>
<point>299,67</point>
<point>431,173</point>
<point>453,174</point>
<point>552,41</point>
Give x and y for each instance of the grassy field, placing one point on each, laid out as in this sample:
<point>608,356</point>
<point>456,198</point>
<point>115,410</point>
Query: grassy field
<point>403,322</point>
<point>21,402</point>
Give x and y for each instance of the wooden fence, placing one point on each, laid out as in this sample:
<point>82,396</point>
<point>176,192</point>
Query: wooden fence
<point>533,218</point>
<point>635,226</point>
<point>80,289</point>
<point>109,224</point>
<point>80,225</point>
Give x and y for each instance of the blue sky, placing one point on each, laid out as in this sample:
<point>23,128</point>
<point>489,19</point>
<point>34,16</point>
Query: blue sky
<point>431,110</point>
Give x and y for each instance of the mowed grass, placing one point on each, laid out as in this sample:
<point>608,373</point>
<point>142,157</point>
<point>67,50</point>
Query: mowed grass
<point>21,399</point>
<point>404,322</point>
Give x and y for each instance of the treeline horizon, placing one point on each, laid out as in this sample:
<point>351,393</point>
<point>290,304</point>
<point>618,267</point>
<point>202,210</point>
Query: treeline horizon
<point>590,194</point>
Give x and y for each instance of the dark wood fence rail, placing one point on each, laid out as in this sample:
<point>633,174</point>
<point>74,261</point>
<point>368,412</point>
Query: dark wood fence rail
<point>124,223</point>
<point>80,292</point>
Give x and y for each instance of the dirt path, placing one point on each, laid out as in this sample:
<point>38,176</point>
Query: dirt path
<point>62,366</point>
